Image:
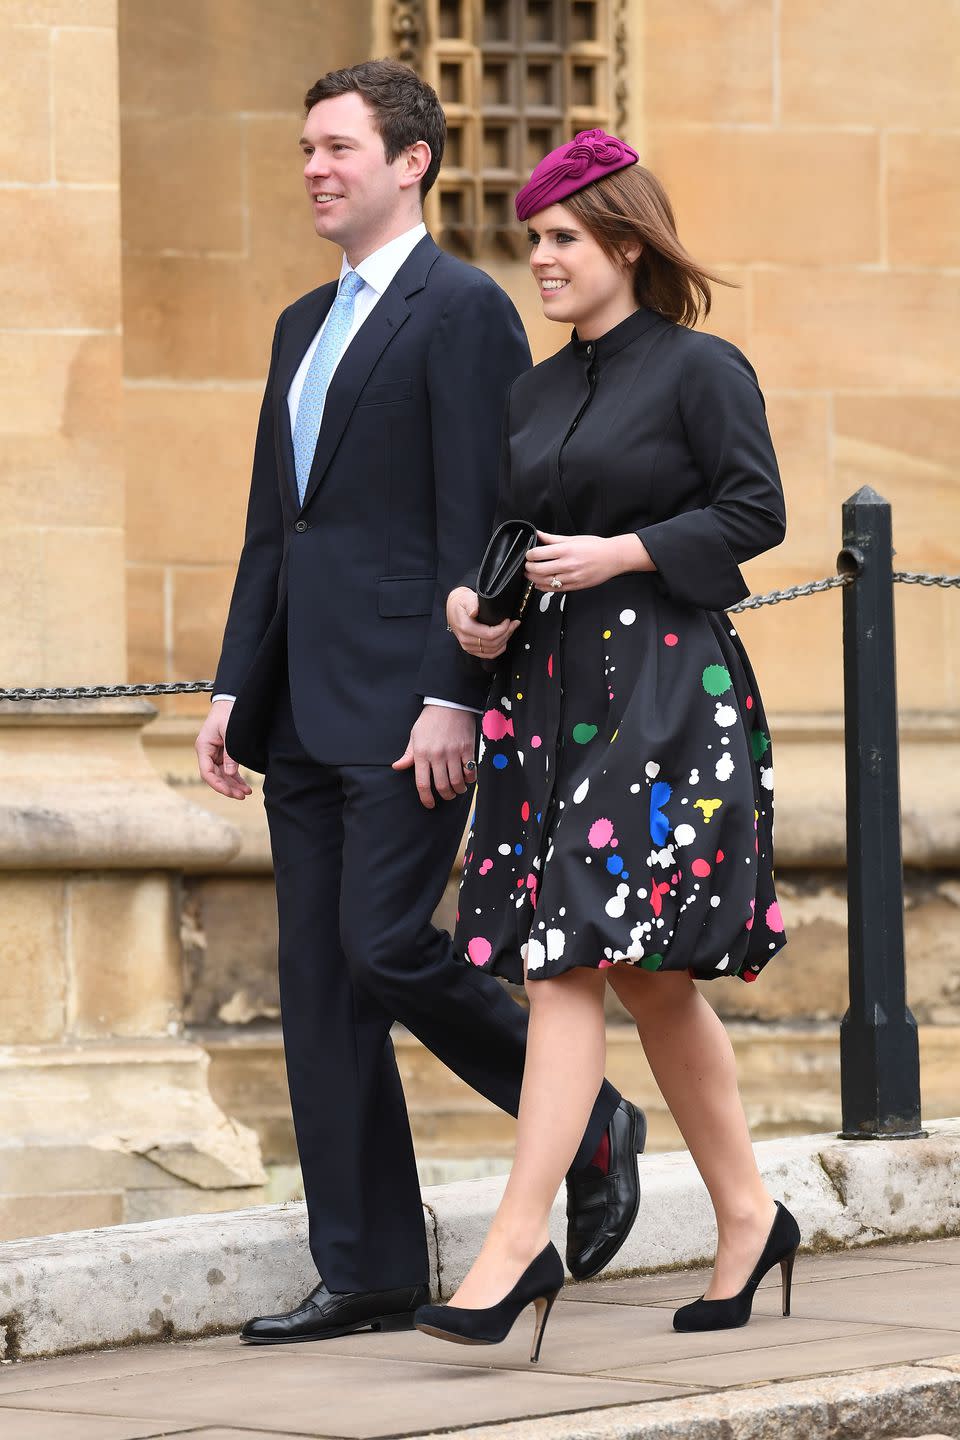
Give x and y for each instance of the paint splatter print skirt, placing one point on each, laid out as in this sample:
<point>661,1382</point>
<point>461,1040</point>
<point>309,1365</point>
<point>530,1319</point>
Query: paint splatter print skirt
<point>624,810</point>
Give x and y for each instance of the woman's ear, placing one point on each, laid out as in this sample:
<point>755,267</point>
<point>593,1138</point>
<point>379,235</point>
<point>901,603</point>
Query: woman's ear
<point>631,253</point>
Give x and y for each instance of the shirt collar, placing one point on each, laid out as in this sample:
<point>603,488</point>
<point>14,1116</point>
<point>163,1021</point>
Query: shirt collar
<point>378,269</point>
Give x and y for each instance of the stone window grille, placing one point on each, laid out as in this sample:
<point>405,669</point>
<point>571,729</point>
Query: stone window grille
<point>516,78</point>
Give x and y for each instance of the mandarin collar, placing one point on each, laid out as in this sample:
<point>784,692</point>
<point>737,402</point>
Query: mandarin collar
<point>612,341</point>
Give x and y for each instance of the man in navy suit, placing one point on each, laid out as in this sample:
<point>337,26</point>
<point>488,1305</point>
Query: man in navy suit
<point>374,484</point>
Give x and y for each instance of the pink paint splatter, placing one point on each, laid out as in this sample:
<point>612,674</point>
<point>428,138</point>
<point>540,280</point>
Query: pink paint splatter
<point>601,833</point>
<point>774,918</point>
<point>605,965</point>
<point>535,742</point>
<point>486,867</point>
<point>701,868</point>
<point>496,725</point>
<point>749,923</point>
<point>532,883</point>
<point>671,639</point>
<point>614,843</point>
<point>479,950</point>
<point>550,667</point>
<point>749,702</point>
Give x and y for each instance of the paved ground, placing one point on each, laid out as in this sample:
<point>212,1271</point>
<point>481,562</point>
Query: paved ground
<point>608,1344</point>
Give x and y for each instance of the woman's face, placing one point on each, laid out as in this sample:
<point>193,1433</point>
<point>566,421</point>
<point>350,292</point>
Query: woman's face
<point>579,283</point>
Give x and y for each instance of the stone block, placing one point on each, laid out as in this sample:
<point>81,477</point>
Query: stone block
<point>25,103</point>
<point>168,163</point>
<point>59,433</point>
<point>908,448</point>
<point>25,1215</point>
<point>230,951</point>
<point>281,226</point>
<point>188,459</point>
<point>75,615</point>
<point>146,623</point>
<point>855,330</point>
<point>730,304</point>
<point>896,68</point>
<point>924,681</point>
<point>783,197</point>
<point>201,599</point>
<point>61,12</point>
<point>86,106</point>
<point>800,428</point>
<point>201,317</point>
<point>45,284</point>
<point>83,580</point>
<point>124,956</point>
<point>707,63</point>
<point>141,1206</point>
<point>923,202</point>
<point>33,981</point>
<point>187,58</point>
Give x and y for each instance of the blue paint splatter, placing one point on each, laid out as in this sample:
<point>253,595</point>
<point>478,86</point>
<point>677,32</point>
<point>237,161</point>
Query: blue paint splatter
<point>499,762</point>
<point>660,794</point>
<point>614,864</point>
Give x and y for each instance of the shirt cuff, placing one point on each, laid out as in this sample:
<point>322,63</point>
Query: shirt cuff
<point>222,697</point>
<point>450,704</point>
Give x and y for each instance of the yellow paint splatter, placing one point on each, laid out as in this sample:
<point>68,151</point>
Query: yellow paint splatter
<point>708,807</point>
<point>606,634</point>
<point>519,694</point>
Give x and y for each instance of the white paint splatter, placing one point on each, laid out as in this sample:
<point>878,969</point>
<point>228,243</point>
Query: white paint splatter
<point>725,715</point>
<point>766,776</point>
<point>627,617</point>
<point>684,834</point>
<point>556,942</point>
<point>617,904</point>
<point>535,954</point>
<point>580,794</point>
<point>651,769</point>
<point>724,767</point>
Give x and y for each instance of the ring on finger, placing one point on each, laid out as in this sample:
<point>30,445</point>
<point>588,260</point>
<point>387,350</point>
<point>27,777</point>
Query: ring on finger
<point>470,765</point>
<point>556,583</point>
<point>480,643</point>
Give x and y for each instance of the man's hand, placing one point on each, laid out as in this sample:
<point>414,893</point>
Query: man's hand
<point>485,642</point>
<point>581,561</point>
<point>217,768</point>
<point>441,743</point>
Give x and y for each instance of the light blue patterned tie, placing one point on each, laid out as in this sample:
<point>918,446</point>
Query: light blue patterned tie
<point>317,380</point>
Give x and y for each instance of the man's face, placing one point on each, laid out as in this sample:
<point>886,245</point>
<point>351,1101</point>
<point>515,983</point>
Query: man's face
<point>353,192</point>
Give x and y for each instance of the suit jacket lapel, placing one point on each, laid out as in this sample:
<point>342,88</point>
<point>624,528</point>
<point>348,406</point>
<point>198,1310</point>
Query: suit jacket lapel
<point>303,327</point>
<point>352,373</point>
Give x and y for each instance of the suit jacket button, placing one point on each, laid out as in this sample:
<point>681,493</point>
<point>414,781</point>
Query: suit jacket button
<point>300,526</point>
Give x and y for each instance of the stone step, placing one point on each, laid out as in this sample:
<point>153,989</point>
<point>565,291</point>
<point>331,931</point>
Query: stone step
<point>789,1079</point>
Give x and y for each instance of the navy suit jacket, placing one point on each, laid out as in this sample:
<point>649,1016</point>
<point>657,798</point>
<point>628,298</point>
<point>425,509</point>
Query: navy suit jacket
<point>347,592</point>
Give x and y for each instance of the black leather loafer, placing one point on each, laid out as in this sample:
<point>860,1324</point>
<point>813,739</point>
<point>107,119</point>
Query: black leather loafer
<point>601,1209</point>
<point>324,1315</point>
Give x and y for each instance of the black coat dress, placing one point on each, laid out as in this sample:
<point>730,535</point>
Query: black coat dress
<point>624,807</point>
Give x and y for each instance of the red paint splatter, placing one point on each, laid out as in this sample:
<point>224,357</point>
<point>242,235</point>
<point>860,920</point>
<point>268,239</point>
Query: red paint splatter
<point>719,857</point>
<point>749,976</point>
<point>701,868</point>
<point>550,667</point>
<point>525,810</point>
<point>657,891</point>
<point>671,639</point>
<point>749,702</point>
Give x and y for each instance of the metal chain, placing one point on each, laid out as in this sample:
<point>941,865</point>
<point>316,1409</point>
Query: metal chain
<point>197,687</point>
<point>920,577</point>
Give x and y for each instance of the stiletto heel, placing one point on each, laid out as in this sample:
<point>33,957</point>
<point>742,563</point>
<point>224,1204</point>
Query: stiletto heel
<point>539,1285</point>
<point>781,1248</point>
<point>543,1304</point>
<point>786,1279</point>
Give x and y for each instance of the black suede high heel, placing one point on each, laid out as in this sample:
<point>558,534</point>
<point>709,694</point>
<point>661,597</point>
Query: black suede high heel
<point>539,1285</point>
<point>781,1248</point>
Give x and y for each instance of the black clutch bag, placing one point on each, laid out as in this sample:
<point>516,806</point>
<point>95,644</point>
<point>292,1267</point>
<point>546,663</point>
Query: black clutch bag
<point>502,587</point>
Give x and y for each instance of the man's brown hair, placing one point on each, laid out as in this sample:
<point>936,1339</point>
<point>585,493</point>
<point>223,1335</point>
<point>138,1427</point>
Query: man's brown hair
<point>629,206</point>
<point>405,108</point>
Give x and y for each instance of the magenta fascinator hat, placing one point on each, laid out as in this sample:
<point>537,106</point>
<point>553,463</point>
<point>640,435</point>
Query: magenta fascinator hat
<point>588,157</point>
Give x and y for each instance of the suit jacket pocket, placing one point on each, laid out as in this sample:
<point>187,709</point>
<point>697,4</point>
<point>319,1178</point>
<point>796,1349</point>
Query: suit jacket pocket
<point>384,394</point>
<point>399,595</point>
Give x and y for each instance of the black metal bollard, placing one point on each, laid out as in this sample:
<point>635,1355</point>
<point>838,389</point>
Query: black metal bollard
<point>879,1050</point>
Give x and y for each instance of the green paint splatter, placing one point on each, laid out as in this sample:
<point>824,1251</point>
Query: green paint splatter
<point>760,743</point>
<point>716,680</point>
<point>584,733</point>
<point>651,962</point>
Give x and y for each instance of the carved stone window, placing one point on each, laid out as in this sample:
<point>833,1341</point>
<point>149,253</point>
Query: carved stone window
<point>516,78</point>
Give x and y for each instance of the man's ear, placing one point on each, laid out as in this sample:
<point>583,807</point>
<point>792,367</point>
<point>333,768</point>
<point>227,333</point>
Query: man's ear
<point>416,163</point>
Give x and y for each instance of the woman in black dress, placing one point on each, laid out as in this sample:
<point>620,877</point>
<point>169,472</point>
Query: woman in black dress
<point>623,828</point>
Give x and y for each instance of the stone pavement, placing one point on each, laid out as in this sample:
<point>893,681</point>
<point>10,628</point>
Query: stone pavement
<point>883,1322</point>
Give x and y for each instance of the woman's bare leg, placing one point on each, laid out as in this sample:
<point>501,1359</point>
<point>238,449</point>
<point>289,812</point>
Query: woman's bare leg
<point>566,1055</point>
<point>692,1060</point>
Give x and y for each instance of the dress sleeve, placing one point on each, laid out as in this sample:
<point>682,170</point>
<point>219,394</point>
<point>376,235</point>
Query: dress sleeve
<point>504,510</point>
<point>698,553</point>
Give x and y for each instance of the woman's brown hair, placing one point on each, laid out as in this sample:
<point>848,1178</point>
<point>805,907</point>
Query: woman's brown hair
<point>629,206</point>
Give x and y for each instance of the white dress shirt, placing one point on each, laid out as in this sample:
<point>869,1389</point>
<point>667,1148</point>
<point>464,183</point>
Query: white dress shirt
<point>376,272</point>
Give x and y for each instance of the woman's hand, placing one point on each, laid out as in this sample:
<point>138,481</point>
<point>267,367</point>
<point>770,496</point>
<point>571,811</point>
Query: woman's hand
<point>579,562</point>
<point>485,642</point>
